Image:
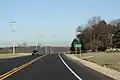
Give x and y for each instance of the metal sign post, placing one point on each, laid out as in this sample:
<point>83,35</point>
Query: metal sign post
<point>76,50</point>
<point>80,52</point>
<point>78,46</point>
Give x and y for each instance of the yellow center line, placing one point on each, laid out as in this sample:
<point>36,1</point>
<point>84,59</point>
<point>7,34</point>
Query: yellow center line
<point>9,73</point>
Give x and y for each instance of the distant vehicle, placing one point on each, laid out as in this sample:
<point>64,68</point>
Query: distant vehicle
<point>35,52</point>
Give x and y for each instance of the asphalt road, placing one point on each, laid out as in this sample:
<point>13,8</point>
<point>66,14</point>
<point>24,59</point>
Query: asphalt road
<point>10,63</point>
<point>49,67</point>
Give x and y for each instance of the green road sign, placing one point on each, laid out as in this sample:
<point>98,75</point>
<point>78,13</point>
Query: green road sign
<point>77,45</point>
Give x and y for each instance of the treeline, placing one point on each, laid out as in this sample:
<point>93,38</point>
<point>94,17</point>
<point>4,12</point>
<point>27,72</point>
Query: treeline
<point>99,34</point>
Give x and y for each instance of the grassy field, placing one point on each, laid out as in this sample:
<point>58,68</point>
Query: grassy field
<point>10,55</point>
<point>104,59</point>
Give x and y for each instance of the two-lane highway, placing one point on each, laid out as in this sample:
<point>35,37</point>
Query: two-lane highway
<point>10,63</point>
<point>49,67</point>
<point>55,67</point>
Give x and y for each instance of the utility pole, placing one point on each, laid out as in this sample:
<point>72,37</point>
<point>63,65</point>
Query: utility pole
<point>13,30</point>
<point>52,40</point>
<point>36,46</point>
<point>40,48</point>
<point>46,49</point>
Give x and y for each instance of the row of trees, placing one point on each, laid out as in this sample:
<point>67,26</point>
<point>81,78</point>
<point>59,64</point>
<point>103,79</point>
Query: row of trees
<point>99,33</point>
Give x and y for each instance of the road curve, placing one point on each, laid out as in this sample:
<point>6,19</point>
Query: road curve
<point>51,67</point>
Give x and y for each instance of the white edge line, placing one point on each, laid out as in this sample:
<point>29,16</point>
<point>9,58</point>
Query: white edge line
<point>70,68</point>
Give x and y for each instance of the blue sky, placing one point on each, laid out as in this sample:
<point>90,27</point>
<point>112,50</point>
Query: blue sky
<point>38,20</point>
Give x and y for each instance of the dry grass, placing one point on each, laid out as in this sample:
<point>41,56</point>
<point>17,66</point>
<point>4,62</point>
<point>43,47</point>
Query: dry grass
<point>104,59</point>
<point>10,55</point>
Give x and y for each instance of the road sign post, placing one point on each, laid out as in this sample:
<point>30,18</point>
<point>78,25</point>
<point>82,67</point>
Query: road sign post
<point>78,46</point>
<point>80,52</point>
<point>76,50</point>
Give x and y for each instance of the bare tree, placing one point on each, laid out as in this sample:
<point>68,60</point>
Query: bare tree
<point>115,22</point>
<point>99,34</point>
<point>94,20</point>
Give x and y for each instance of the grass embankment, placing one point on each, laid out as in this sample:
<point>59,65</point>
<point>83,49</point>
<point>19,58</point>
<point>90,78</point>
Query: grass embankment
<point>111,60</point>
<point>10,55</point>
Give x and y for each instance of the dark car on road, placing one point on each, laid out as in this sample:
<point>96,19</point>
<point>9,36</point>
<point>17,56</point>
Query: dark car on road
<point>35,52</point>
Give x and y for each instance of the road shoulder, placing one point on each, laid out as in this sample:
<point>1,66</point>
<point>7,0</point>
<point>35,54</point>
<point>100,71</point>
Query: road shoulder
<point>104,70</point>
